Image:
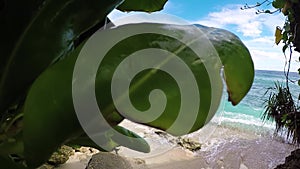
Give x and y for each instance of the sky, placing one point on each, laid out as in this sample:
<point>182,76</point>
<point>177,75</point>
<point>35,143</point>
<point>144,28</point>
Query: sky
<point>255,31</point>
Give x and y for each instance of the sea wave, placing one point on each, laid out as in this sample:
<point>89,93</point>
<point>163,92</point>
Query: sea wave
<point>244,123</point>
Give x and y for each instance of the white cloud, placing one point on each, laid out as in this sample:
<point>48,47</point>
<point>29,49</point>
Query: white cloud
<point>267,55</point>
<point>257,33</point>
<point>265,43</point>
<point>244,21</point>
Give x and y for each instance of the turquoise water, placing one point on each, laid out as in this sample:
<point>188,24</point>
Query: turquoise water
<point>249,111</point>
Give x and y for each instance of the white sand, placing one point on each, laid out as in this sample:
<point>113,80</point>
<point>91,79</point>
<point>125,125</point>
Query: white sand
<point>222,147</point>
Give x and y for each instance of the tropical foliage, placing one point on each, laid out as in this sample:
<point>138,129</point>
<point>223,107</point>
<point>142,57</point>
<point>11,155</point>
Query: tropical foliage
<point>281,105</point>
<point>41,41</point>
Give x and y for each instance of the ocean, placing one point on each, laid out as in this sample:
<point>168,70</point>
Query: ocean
<point>237,136</point>
<point>247,114</point>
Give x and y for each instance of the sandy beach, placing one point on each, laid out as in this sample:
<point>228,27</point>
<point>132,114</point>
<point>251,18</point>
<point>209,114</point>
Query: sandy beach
<point>222,147</point>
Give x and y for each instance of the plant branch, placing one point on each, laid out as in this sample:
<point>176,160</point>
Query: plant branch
<point>258,4</point>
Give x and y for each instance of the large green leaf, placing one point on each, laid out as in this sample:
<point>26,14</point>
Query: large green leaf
<point>142,5</point>
<point>49,115</point>
<point>35,33</point>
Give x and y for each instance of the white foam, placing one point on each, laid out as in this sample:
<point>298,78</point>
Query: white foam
<point>247,120</point>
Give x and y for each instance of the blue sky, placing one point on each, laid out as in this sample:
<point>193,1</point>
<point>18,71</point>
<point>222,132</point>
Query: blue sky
<point>256,31</point>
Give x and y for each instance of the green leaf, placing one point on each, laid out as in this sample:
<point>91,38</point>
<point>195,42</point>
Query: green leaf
<point>283,118</point>
<point>287,27</point>
<point>49,120</point>
<point>49,116</point>
<point>142,5</point>
<point>111,140</point>
<point>237,62</point>
<point>278,3</point>
<point>49,111</point>
<point>291,17</point>
<point>35,34</point>
<point>284,48</point>
<point>285,36</point>
<point>132,141</point>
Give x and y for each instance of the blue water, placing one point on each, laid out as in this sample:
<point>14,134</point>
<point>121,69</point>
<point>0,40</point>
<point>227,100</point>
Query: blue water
<point>249,111</point>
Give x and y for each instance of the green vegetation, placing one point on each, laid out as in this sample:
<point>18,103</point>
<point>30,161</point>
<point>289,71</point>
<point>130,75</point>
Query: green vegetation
<point>41,41</point>
<point>281,105</point>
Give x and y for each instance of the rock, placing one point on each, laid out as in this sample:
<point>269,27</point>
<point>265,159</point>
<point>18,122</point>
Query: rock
<point>292,161</point>
<point>189,144</point>
<point>105,160</point>
<point>137,163</point>
<point>87,150</point>
<point>186,143</point>
<point>61,155</point>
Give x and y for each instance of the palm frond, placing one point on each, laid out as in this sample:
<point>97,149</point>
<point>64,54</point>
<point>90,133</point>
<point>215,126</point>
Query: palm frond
<point>281,108</point>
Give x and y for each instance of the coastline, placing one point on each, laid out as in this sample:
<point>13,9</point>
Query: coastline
<point>222,146</point>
